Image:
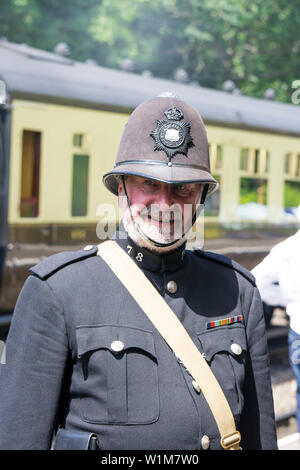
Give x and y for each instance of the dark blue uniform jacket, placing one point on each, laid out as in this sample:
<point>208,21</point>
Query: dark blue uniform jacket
<point>62,370</point>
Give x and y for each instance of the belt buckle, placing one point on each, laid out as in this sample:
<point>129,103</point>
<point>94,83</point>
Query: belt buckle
<point>231,441</point>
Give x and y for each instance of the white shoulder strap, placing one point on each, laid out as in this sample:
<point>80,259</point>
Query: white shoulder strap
<point>174,333</point>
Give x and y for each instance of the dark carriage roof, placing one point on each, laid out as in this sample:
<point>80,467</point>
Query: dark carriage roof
<point>44,76</point>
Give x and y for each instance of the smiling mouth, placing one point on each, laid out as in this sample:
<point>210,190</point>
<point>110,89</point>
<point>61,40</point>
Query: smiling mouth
<point>160,221</point>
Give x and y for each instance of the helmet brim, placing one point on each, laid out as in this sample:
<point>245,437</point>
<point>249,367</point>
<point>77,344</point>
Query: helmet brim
<point>163,173</point>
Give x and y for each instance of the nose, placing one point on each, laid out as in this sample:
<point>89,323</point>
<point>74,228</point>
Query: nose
<point>165,195</point>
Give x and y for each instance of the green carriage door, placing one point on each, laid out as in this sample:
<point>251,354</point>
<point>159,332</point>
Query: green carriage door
<point>80,185</point>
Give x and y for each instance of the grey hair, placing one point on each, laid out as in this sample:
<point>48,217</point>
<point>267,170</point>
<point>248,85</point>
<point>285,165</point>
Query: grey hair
<point>119,178</point>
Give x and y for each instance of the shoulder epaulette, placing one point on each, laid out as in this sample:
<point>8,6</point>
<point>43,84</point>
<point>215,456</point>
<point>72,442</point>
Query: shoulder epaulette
<point>54,263</point>
<point>225,261</point>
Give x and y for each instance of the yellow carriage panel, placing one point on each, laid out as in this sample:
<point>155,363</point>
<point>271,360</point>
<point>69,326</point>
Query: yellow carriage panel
<point>65,131</point>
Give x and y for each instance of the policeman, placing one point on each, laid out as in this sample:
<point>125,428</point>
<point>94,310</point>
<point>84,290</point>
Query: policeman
<point>83,356</point>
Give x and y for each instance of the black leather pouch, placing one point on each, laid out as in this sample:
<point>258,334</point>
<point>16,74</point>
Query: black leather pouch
<point>66,439</point>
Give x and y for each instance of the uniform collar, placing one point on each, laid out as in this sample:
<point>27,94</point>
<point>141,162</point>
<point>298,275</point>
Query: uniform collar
<point>147,259</point>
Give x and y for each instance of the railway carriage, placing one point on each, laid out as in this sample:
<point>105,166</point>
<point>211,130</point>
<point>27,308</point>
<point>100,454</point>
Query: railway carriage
<point>61,122</point>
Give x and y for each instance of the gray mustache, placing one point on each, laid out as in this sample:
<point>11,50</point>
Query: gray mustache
<point>169,215</point>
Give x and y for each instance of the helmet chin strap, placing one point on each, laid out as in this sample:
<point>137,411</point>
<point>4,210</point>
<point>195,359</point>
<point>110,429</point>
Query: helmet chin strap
<point>153,242</point>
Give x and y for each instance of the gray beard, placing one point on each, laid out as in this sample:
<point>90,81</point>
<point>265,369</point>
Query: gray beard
<point>143,241</point>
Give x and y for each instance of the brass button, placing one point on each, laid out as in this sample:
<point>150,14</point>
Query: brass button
<point>172,287</point>
<point>88,247</point>
<point>117,346</point>
<point>196,386</point>
<point>236,349</point>
<point>205,442</point>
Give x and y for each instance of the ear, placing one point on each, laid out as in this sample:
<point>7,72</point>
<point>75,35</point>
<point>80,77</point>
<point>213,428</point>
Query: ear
<point>120,189</point>
<point>122,200</point>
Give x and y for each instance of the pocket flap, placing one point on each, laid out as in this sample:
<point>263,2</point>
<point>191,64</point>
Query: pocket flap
<point>231,339</point>
<point>94,337</point>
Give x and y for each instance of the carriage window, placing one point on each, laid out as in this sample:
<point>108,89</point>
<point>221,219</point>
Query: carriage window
<point>291,183</point>
<point>291,195</point>
<point>253,190</point>
<point>253,199</point>
<point>78,140</point>
<point>30,176</point>
<point>292,165</point>
<point>254,161</point>
<point>216,156</point>
<point>244,160</point>
<point>212,203</point>
<point>80,185</point>
<point>254,169</point>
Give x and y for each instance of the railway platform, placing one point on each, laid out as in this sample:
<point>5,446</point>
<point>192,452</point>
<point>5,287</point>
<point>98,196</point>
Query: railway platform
<point>289,442</point>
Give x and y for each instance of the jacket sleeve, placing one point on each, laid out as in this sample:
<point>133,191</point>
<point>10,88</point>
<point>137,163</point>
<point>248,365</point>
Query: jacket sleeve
<point>267,275</point>
<point>257,425</point>
<point>31,378</point>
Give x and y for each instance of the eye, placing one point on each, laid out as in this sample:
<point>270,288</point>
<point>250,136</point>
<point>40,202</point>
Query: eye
<point>150,185</point>
<point>181,188</point>
<point>149,182</point>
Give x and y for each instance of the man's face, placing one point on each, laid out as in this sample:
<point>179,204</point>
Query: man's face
<point>163,211</point>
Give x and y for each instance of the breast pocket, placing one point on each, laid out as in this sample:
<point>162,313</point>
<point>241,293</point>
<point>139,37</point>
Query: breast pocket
<point>119,379</point>
<point>224,350</point>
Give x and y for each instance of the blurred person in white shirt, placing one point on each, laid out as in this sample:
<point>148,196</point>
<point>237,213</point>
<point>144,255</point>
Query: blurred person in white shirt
<point>278,281</point>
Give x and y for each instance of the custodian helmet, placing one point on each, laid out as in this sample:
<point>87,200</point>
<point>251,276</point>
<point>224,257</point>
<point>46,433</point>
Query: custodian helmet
<point>164,139</point>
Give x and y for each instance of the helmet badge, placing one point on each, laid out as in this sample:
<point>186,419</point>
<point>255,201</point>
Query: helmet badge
<point>172,136</point>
